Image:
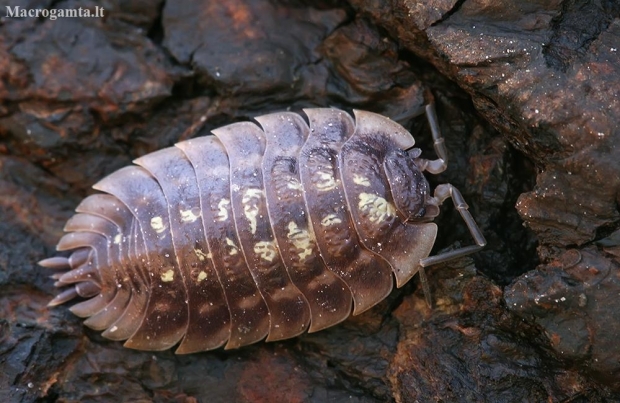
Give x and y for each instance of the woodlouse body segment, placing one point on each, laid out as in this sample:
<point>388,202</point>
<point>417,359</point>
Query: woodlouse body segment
<point>368,279</point>
<point>248,312</point>
<point>325,293</point>
<point>288,311</point>
<point>257,232</point>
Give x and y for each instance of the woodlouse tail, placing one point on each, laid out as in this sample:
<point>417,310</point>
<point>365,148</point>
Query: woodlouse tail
<point>78,274</point>
<point>59,263</point>
<point>94,236</point>
<point>55,263</point>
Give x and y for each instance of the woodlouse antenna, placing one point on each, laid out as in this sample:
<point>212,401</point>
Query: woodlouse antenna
<point>443,192</point>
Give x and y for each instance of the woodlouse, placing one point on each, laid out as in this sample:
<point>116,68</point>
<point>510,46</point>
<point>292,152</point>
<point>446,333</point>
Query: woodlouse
<point>256,232</point>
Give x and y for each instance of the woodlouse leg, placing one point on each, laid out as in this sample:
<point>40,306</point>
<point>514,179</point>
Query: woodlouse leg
<point>443,192</point>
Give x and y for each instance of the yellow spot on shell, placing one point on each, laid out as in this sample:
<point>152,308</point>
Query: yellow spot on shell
<point>301,240</point>
<point>233,248</point>
<point>157,224</point>
<point>294,184</point>
<point>222,214</point>
<point>201,276</point>
<point>361,180</point>
<point>251,201</point>
<point>117,239</point>
<point>167,276</point>
<point>201,255</point>
<point>330,219</point>
<point>326,181</point>
<point>266,250</point>
<point>376,207</point>
<point>190,215</point>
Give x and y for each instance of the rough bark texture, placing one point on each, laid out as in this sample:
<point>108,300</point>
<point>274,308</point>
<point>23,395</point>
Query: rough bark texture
<point>528,94</point>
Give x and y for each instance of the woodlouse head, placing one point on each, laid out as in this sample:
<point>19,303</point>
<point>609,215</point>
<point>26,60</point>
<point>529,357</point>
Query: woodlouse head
<point>410,189</point>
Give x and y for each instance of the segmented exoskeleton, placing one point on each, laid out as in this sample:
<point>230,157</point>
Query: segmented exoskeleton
<point>256,232</point>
